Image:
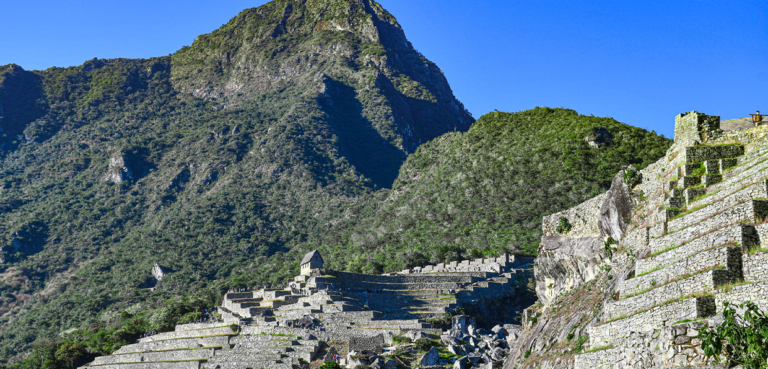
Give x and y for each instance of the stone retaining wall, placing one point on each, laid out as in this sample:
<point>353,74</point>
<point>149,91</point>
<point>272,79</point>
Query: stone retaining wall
<point>373,343</point>
<point>583,219</point>
<point>733,234</point>
<point>755,292</point>
<point>189,334</point>
<point>688,234</point>
<point>730,210</point>
<point>667,347</point>
<point>220,341</point>
<point>697,154</point>
<point>605,334</point>
<point>729,257</point>
<point>697,284</point>
<point>178,355</point>
<point>160,365</point>
<point>756,267</point>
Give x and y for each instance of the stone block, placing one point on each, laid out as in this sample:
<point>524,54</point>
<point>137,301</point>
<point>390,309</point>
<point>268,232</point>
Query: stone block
<point>711,179</point>
<point>712,166</point>
<point>726,164</point>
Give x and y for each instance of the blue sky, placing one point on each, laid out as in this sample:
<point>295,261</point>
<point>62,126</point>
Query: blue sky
<point>638,62</point>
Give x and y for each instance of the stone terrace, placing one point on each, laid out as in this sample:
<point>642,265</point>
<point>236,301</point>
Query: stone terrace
<point>261,329</point>
<point>705,248</point>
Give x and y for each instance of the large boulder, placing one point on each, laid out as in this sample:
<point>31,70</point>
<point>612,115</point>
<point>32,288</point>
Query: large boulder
<point>616,210</point>
<point>430,358</point>
<point>460,326</point>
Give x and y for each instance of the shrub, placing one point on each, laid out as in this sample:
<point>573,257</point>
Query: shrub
<point>564,226</point>
<point>330,365</point>
<point>742,338</point>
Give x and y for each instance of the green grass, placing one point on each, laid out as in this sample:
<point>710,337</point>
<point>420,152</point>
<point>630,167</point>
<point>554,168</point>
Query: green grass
<point>599,348</point>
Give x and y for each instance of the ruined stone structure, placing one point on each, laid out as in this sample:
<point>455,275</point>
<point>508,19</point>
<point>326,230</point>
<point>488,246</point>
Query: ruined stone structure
<point>283,328</point>
<point>695,237</point>
<point>312,260</point>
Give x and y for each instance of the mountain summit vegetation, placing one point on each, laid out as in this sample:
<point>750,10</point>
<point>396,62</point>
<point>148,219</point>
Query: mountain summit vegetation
<point>282,131</point>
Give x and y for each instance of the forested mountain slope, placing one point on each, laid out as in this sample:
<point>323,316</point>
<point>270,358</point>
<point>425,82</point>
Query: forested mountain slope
<point>212,161</point>
<point>483,192</point>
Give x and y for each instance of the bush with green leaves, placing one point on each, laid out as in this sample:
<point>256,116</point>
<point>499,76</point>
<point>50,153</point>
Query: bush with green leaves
<point>741,339</point>
<point>330,365</point>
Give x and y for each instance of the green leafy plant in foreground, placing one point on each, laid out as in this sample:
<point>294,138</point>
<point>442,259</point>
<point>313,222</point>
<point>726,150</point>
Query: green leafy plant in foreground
<point>742,339</point>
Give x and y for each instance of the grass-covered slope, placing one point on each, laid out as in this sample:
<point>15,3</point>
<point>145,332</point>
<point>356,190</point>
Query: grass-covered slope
<point>484,191</point>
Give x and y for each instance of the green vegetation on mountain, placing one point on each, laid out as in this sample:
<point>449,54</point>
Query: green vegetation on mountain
<point>271,136</point>
<point>484,192</point>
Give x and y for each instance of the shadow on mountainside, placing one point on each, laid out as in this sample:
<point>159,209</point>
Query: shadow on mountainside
<point>364,147</point>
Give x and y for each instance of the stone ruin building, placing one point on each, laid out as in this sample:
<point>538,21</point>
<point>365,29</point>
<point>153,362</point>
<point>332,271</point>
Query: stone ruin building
<point>286,328</point>
<point>689,232</point>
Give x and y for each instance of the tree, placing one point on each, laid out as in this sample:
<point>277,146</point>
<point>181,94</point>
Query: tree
<point>742,339</point>
<point>70,354</point>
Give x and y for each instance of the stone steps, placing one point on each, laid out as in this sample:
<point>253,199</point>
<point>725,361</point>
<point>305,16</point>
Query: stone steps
<point>217,331</point>
<point>646,321</point>
<point>728,257</point>
<point>174,355</point>
<point>735,234</point>
<point>747,212</point>
<point>700,283</point>
<point>166,345</point>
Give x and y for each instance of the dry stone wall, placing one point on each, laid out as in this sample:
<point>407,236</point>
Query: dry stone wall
<point>667,347</point>
<point>582,218</point>
<point>608,333</point>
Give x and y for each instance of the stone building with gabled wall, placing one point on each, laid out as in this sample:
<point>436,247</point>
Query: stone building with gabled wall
<point>312,260</point>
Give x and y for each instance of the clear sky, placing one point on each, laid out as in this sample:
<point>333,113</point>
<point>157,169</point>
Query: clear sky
<point>639,62</point>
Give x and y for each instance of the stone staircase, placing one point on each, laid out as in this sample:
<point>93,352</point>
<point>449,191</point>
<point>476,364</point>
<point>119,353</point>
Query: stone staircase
<point>705,249</point>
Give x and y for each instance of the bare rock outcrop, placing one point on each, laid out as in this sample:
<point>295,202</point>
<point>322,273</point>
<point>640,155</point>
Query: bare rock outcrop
<point>157,272</point>
<point>616,210</point>
<point>118,170</point>
<point>566,263</point>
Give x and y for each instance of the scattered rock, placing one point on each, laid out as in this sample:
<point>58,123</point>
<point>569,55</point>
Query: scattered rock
<point>460,324</point>
<point>429,359</point>
<point>417,335</point>
<point>448,340</point>
<point>456,350</point>
<point>461,363</point>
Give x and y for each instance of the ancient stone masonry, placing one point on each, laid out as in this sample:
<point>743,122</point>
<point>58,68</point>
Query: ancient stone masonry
<point>283,328</point>
<point>696,238</point>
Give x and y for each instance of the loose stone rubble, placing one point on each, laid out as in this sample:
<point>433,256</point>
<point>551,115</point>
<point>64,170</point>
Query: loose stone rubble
<point>697,236</point>
<point>358,318</point>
